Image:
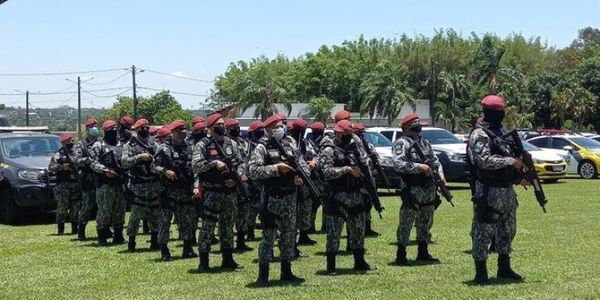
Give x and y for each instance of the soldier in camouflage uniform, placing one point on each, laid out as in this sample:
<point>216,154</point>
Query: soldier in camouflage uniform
<point>256,131</point>
<point>243,203</point>
<point>495,202</point>
<point>144,184</point>
<point>87,176</point>
<point>278,212</point>
<point>418,192</point>
<point>305,201</point>
<point>359,129</point>
<point>177,196</point>
<point>339,163</point>
<point>315,137</point>
<point>216,176</point>
<point>67,190</point>
<point>110,196</point>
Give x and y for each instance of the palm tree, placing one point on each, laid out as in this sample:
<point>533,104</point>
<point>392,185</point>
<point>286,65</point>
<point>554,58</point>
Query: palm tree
<point>319,108</point>
<point>453,84</point>
<point>258,87</point>
<point>386,90</point>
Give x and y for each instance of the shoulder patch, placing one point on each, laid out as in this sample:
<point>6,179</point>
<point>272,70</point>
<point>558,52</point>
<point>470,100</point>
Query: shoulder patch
<point>479,144</point>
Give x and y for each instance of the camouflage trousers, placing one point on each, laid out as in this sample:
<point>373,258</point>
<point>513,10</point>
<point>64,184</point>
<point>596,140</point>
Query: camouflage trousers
<point>368,208</point>
<point>183,208</point>
<point>145,206</point>
<point>88,202</point>
<point>349,208</point>
<point>111,206</point>
<point>504,202</point>
<point>420,215</point>
<point>217,207</point>
<point>68,201</point>
<point>242,219</point>
<point>303,212</point>
<point>278,216</point>
<point>255,200</point>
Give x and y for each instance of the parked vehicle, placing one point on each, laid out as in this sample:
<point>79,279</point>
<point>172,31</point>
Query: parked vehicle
<point>582,153</point>
<point>24,181</point>
<point>549,166</point>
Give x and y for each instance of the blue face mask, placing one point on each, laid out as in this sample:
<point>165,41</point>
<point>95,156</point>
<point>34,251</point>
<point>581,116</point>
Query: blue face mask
<point>94,132</point>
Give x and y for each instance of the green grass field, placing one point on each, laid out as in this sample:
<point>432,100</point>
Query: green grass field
<point>557,252</point>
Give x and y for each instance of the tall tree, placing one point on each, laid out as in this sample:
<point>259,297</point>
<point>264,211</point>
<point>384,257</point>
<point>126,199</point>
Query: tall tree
<point>319,108</point>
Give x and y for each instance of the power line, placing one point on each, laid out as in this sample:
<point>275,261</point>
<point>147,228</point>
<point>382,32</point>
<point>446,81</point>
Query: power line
<point>109,81</point>
<point>106,96</point>
<point>178,76</point>
<point>172,92</point>
<point>59,73</point>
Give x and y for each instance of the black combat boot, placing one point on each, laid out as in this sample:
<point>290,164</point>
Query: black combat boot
<point>194,240</point>
<point>504,269</point>
<point>102,237</point>
<point>401,259</point>
<point>81,231</point>
<point>73,228</point>
<point>131,244</point>
<point>188,251</point>
<point>145,228</point>
<point>165,254</point>
<point>493,245</point>
<point>369,230</point>
<point>228,262</point>
<point>61,228</point>
<point>118,236</point>
<point>203,265</point>
<point>241,242</point>
<point>481,274</point>
<point>298,253</point>
<point>304,239</point>
<point>331,270</point>
<point>359,260</point>
<point>423,253</point>
<point>263,275</point>
<point>251,236</point>
<point>154,241</point>
<point>286,272</point>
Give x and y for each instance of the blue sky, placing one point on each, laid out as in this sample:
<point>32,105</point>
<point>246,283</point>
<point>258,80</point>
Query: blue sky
<point>200,38</point>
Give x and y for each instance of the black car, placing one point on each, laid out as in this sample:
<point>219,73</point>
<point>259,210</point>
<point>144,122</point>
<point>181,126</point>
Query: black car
<point>24,181</point>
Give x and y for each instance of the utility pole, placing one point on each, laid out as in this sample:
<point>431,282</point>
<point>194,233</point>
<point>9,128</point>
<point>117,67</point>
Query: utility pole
<point>135,102</point>
<point>27,108</point>
<point>78,108</point>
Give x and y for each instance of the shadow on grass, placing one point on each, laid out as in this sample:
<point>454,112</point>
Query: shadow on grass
<point>346,271</point>
<point>215,270</point>
<point>138,250</point>
<point>411,243</point>
<point>494,281</point>
<point>87,239</point>
<point>415,263</point>
<point>275,259</point>
<point>275,284</point>
<point>340,253</point>
<point>173,259</point>
<point>95,245</point>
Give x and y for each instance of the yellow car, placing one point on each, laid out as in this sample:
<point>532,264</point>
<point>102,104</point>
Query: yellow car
<point>582,153</point>
<point>549,166</point>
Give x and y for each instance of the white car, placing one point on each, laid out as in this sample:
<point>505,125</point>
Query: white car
<point>549,166</point>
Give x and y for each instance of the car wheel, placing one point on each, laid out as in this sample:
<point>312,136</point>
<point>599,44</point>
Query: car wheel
<point>588,170</point>
<point>9,211</point>
<point>551,180</point>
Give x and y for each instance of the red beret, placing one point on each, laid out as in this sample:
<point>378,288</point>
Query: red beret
<point>232,122</point>
<point>343,126</point>
<point>108,125</point>
<point>359,127</point>
<point>140,123</point>
<point>91,122</point>
<point>199,125</point>
<point>281,116</point>
<point>272,120</point>
<point>153,130</point>
<point>342,115</point>
<point>255,126</point>
<point>65,138</point>
<point>493,102</point>
<point>318,126</point>
<point>177,124</point>
<point>164,131</point>
<point>408,119</point>
<point>126,121</point>
<point>212,119</point>
<point>196,119</point>
<point>299,124</point>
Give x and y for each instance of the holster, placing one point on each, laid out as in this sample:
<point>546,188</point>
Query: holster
<point>484,213</point>
<point>267,219</point>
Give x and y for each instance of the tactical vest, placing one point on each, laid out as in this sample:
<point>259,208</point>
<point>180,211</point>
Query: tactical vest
<point>212,154</point>
<point>500,177</point>
<point>419,179</point>
<point>87,175</point>
<point>346,183</point>
<point>181,158</point>
<point>66,176</point>
<point>141,170</point>
<point>284,183</point>
<point>111,161</point>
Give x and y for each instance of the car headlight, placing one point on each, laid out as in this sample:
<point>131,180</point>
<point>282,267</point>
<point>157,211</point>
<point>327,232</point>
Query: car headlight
<point>387,161</point>
<point>537,162</point>
<point>453,157</point>
<point>31,174</point>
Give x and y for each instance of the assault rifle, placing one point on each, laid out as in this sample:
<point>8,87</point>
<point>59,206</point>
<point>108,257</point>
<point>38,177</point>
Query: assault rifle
<point>437,179</point>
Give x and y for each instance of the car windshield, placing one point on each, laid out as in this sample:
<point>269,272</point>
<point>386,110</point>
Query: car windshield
<point>530,147</point>
<point>29,146</point>
<point>440,136</point>
<point>585,142</point>
<point>377,139</point>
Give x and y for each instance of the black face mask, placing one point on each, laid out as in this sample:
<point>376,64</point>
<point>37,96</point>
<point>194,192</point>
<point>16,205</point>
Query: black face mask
<point>346,139</point>
<point>144,133</point>
<point>110,137</point>
<point>197,136</point>
<point>220,130</point>
<point>316,134</point>
<point>494,117</point>
<point>297,135</point>
<point>234,132</point>
<point>258,134</point>
<point>417,129</point>
<point>69,146</point>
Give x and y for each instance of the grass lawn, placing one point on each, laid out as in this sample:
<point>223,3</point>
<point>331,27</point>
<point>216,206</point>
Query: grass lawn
<point>557,252</point>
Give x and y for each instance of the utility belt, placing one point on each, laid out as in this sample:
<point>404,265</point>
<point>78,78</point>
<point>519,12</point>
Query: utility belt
<point>409,202</point>
<point>140,179</point>
<point>419,180</point>
<point>277,191</point>
<point>102,180</point>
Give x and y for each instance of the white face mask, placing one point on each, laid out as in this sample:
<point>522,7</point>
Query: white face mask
<point>278,133</point>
